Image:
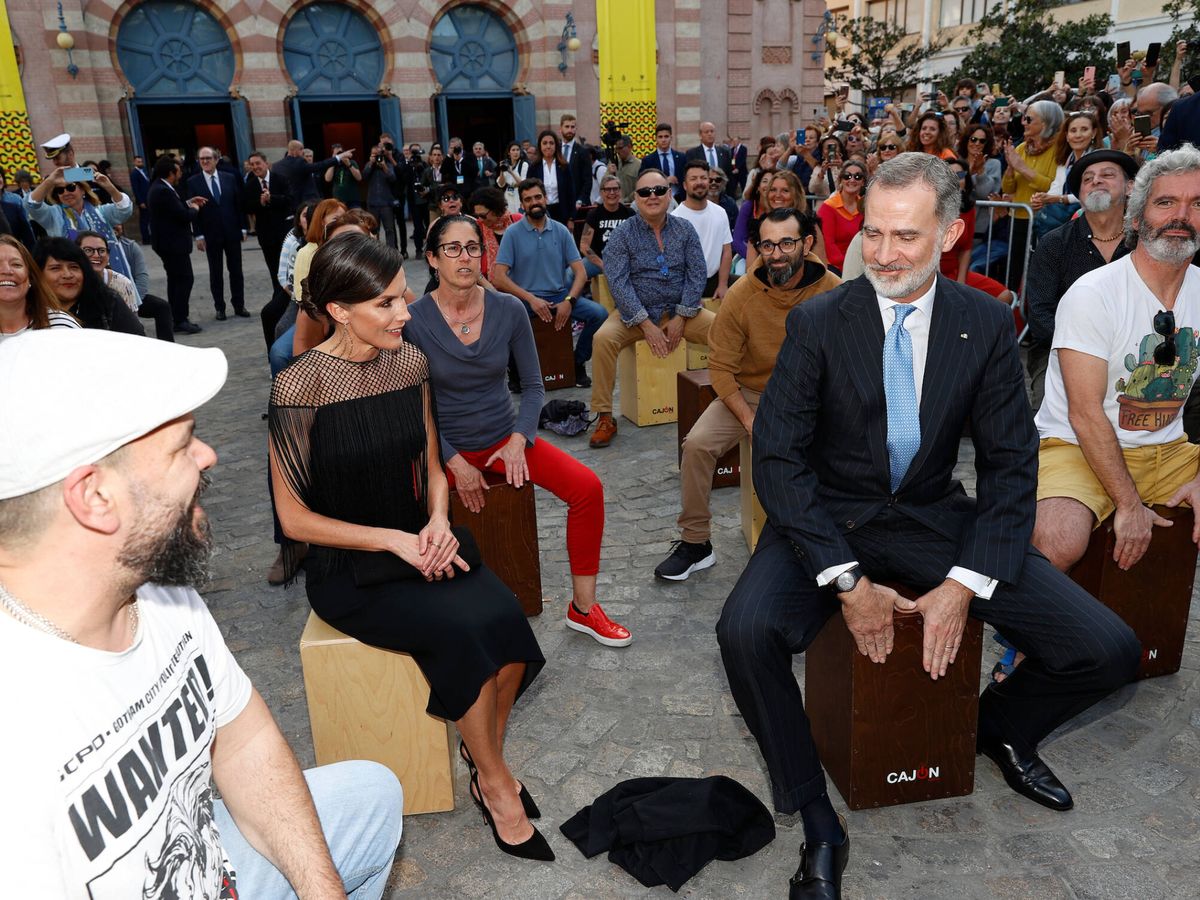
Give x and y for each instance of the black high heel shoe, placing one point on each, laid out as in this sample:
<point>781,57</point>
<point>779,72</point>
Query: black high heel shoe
<point>534,847</point>
<point>531,808</point>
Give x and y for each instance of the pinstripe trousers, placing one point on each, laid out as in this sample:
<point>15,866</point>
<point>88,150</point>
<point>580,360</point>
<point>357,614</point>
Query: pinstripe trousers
<point>1077,650</point>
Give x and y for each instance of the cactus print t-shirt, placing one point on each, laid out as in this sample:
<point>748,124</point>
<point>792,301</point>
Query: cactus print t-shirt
<point>1110,313</point>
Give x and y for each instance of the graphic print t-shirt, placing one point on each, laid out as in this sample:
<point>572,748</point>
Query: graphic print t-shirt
<point>1109,313</point>
<point>603,222</point>
<point>105,767</point>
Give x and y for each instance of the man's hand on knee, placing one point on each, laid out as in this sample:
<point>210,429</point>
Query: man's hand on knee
<point>868,613</point>
<point>945,612</point>
<point>1189,494</point>
<point>1133,527</point>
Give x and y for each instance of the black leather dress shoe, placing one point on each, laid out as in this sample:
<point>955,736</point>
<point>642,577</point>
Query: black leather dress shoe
<point>1028,775</point>
<point>820,874</point>
<point>241,312</point>
<point>221,317</point>
<point>187,327</point>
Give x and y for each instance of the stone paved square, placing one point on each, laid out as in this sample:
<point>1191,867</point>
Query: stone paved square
<point>596,716</point>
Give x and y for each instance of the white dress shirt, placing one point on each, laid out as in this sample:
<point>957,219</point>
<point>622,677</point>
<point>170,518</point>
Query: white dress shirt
<point>550,180</point>
<point>917,325</point>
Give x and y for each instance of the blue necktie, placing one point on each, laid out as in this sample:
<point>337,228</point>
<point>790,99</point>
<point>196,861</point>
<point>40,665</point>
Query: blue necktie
<point>900,392</point>
<point>215,188</point>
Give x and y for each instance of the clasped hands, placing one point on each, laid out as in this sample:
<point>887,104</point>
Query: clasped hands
<point>868,611</point>
<point>663,341</point>
<point>433,552</point>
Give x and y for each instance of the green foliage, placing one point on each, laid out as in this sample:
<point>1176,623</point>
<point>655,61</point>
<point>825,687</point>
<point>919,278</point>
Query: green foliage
<point>1021,47</point>
<point>1184,16</point>
<point>881,59</point>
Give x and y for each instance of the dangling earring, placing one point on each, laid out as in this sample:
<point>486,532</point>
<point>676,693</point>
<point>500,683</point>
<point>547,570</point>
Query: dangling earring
<point>347,339</point>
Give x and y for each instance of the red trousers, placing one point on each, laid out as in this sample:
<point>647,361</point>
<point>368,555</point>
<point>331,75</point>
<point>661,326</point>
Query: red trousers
<point>570,481</point>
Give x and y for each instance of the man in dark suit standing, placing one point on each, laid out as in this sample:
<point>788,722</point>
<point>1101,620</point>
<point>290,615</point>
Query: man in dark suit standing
<point>855,443</point>
<point>716,155</point>
<point>298,172</point>
<point>665,158</point>
<point>579,160</point>
<point>219,231</point>
<point>265,196</point>
<point>456,170</point>
<point>737,180</point>
<point>171,237</point>
<point>139,183</point>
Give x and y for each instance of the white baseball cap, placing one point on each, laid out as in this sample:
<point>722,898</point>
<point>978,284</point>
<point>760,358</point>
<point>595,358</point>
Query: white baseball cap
<point>70,397</point>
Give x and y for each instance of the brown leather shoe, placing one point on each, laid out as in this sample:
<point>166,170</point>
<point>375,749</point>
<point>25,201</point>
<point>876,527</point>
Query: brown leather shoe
<point>606,430</point>
<point>280,572</point>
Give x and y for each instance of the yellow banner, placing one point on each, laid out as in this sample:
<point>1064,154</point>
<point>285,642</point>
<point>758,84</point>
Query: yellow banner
<point>628,68</point>
<point>17,150</point>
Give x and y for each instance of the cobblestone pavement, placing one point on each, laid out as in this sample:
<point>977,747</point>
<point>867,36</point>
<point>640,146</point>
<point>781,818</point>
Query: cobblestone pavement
<point>597,716</point>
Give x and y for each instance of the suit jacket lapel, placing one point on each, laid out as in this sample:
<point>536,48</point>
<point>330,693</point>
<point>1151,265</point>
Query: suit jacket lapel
<point>861,348</point>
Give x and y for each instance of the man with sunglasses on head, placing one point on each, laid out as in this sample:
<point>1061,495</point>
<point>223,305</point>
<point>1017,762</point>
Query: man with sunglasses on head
<point>656,273</point>
<point>1123,361</point>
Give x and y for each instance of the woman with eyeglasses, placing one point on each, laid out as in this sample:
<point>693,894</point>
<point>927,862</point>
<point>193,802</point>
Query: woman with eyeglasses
<point>842,214</point>
<point>79,289</point>
<point>889,147</point>
<point>783,191</point>
<point>930,135</point>
<point>552,169</point>
<point>356,471</point>
<point>1031,168</point>
<point>468,334</point>
<point>825,177</point>
<point>27,301</point>
<point>65,208</point>
<point>977,148</point>
<point>1055,207</point>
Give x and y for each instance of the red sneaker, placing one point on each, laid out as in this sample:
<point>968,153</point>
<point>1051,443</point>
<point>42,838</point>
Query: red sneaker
<point>599,626</point>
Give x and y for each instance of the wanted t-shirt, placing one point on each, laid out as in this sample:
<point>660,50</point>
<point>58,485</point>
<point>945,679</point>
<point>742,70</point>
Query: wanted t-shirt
<point>712,224</point>
<point>1109,313</point>
<point>105,767</point>
<point>602,222</point>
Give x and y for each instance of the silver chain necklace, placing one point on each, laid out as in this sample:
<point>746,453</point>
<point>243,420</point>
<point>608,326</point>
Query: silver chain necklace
<point>464,325</point>
<point>29,617</point>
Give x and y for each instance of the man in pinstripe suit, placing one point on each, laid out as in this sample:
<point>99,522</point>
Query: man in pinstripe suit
<point>855,443</point>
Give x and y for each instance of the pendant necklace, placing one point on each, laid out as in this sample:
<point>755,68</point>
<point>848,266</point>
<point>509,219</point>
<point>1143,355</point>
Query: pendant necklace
<point>465,325</point>
<point>27,616</point>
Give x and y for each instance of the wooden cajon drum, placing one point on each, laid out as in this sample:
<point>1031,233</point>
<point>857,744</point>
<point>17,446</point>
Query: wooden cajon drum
<point>753,516</point>
<point>506,532</point>
<point>1154,597</point>
<point>648,384</point>
<point>368,703</point>
<point>888,733</point>
<point>694,391</point>
<point>697,357</point>
<point>601,294</point>
<point>556,354</point>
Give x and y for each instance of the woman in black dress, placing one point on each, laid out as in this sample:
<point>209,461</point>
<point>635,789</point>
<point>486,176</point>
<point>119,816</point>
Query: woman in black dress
<point>357,476</point>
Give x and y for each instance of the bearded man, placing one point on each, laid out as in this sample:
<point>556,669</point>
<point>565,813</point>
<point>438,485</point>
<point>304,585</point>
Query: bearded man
<point>855,443</point>
<point>743,343</point>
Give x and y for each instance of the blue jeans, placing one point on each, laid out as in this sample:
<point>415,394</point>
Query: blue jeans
<point>592,269</point>
<point>360,806</point>
<point>280,353</point>
<point>591,314</point>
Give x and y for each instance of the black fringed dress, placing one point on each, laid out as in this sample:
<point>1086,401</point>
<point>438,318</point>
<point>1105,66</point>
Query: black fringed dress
<point>350,439</point>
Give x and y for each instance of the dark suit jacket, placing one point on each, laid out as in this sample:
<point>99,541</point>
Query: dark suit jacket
<point>170,220</point>
<point>139,183</point>
<point>651,161</point>
<point>450,175</point>
<point>820,434</point>
<point>724,158</point>
<point>739,167</point>
<point>564,210</point>
<point>218,223</point>
<point>580,165</point>
<point>270,221</point>
<point>298,175</point>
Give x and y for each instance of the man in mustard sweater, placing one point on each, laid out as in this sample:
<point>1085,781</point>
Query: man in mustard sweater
<point>743,342</point>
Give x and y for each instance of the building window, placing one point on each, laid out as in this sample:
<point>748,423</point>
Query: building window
<point>962,12</point>
<point>906,13</point>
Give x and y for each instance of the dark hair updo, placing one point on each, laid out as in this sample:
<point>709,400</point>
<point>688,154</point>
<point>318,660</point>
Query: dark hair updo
<point>348,269</point>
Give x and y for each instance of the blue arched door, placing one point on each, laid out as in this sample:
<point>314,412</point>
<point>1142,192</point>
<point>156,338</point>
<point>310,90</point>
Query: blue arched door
<point>476,61</point>
<point>181,64</point>
<point>334,56</point>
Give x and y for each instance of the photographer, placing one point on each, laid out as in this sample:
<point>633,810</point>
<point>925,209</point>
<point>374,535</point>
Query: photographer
<point>381,178</point>
<point>344,177</point>
<point>455,170</point>
<point>513,170</point>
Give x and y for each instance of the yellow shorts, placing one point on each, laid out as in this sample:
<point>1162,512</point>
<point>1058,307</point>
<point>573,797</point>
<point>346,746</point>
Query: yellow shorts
<point>1158,472</point>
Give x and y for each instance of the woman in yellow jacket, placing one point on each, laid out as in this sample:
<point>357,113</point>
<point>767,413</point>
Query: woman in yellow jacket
<point>1031,168</point>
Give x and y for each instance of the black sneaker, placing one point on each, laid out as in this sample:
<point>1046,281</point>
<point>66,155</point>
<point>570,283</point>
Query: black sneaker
<point>581,376</point>
<point>685,559</point>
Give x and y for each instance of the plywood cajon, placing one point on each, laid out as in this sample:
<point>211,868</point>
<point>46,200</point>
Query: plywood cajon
<point>1154,597</point>
<point>695,392</point>
<point>697,357</point>
<point>753,516</point>
<point>506,532</point>
<point>601,294</point>
<point>368,703</point>
<point>648,384</point>
<point>556,354</point>
<point>887,733</point>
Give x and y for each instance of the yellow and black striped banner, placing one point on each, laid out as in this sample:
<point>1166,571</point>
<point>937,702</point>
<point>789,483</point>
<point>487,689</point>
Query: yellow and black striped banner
<point>628,68</point>
<point>17,150</point>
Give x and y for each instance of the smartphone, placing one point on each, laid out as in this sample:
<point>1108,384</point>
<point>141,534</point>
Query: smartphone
<point>1000,101</point>
<point>799,137</point>
<point>79,173</point>
<point>1016,131</point>
<point>1141,124</point>
<point>1060,78</point>
<point>996,89</point>
<point>1136,77</point>
<point>1089,74</point>
<point>1114,84</point>
<point>906,107</point>
<point>1152,52</point>
<point>1123,53</point>
<point>844,90</point>
<point>819,112</point>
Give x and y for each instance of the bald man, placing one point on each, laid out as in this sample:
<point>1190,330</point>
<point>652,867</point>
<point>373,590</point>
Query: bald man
<point>297,172</point>
<point>716,155</point>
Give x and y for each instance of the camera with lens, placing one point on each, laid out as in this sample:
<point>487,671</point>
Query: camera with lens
<point>612,134</point>
<point>389,146</point>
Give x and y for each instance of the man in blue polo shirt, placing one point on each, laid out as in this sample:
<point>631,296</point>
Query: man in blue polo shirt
<point>532,265</point>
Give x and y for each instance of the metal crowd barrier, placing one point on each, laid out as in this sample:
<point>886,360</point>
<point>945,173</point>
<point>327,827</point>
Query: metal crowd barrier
<point>982,262</point>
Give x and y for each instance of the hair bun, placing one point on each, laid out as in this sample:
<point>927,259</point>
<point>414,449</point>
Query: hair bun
<point>307,305</point>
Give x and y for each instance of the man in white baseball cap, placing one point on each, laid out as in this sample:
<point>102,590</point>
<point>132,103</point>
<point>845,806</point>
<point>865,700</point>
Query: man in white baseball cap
<point>122,704</point>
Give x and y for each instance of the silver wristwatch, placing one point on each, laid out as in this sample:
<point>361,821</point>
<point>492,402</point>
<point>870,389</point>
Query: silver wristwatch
<point>848,580</point>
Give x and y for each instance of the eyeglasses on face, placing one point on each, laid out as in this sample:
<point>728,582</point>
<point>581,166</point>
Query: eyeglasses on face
<point>1026,120</point>
<point>94,251</point>
<point>976,139</point>
<point>659,190</point>
<point>787,245</point>
<point>961,109</point>
<point>611,189</point>
<point>852,176</point>
<point>454,250</point>
<point>889,146</point>
<point>68,188</point>
<point>205,158</point>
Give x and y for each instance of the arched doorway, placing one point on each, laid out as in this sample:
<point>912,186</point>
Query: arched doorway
<point>476,62</point>
<point>180,63</point>
<point>334,56</point>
